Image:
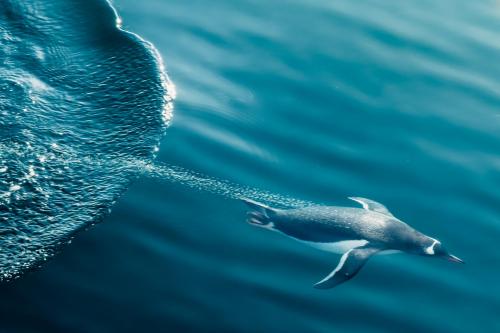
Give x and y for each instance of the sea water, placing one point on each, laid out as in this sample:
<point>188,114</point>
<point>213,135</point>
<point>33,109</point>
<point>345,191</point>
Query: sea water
<point>291,102</point>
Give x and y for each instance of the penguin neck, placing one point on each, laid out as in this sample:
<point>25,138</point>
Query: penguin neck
<point>421,244</point>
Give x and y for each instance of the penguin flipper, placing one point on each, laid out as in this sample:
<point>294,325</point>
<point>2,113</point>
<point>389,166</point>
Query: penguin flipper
<point>372,205</point>
<point>350,264</point>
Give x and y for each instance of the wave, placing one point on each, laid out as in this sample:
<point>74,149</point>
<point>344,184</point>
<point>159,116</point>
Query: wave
<point>73,83</point>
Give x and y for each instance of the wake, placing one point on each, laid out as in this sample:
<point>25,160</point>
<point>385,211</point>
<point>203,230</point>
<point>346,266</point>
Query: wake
<point>64,158</point>
<point>221,187</point>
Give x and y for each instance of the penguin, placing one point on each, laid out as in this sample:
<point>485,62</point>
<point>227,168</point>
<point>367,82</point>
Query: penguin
<point>356,233</point>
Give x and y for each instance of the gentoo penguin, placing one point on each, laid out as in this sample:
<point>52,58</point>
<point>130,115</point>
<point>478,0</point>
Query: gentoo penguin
<point>357,233</point>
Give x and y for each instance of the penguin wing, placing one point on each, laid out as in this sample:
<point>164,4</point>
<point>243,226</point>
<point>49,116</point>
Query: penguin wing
<point>350,264</point>
<point>372,205</point>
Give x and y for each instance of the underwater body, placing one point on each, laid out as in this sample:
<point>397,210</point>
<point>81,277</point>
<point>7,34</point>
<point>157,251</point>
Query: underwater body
<point>356,233</point>
<point>290,102</point>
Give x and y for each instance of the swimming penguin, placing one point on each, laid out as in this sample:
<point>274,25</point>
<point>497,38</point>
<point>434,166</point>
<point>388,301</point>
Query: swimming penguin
<point>357,233</point>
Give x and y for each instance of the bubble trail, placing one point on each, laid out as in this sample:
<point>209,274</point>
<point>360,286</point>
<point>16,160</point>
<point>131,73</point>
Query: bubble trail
<point>225,188</point>
<point>132,168</point>
<point>192,179</point>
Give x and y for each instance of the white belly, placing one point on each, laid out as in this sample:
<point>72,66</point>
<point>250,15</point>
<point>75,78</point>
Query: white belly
<point>338,247</point>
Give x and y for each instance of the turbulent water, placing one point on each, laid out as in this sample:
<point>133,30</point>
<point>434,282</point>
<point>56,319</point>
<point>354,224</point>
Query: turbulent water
<point>72,85</point>
<point>285,101</point>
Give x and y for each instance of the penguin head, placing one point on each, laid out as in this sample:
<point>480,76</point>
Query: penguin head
<point>436,249</point>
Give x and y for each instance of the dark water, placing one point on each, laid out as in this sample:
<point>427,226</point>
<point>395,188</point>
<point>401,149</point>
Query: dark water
<point>314,100</point>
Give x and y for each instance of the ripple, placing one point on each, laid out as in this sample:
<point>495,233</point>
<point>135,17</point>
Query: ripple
<point>74,84</point>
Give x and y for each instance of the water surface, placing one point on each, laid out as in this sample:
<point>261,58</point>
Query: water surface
<point>316,100</point>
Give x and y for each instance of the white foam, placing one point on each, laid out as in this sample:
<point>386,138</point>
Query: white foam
<point>39,53</point>
<point>31,172</point>
<point>14,188</point>
<point>36,84</point>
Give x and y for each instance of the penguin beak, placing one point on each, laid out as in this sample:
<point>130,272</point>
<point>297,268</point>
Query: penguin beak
<point>453,258</point>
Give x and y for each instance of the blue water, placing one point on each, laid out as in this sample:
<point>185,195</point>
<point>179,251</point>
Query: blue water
<point>294,101</point>
<point>74,89</point>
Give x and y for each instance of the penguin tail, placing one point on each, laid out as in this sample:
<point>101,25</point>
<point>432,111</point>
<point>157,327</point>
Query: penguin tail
<point>260,214</point>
